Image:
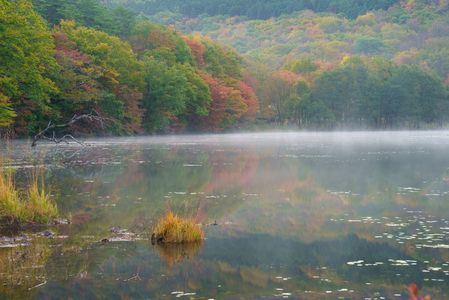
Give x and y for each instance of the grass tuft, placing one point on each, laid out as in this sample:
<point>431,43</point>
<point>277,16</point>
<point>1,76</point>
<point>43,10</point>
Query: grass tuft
<point>174,229</point>
<point>41,208</point>
<point>11,206</point>
<point>34,205</point>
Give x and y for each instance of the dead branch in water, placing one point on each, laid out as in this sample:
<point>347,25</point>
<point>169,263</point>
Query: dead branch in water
<point>42,135</point>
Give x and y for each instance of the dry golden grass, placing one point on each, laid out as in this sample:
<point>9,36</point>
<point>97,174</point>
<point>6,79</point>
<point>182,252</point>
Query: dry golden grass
<point>33,205</point>
<point>174,229</point>
<point>39,205</point>
<point>11,206</point>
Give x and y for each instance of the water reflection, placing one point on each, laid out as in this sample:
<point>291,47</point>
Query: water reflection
<point>23,266</point>
<point>173,254</point>
<point>302,216</point>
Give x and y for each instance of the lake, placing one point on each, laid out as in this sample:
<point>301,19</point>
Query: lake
<point>357,215</point>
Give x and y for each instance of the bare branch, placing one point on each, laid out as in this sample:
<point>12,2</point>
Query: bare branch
<point>42,135</point>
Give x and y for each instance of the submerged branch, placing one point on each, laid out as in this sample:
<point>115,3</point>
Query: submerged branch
<point>38,285</point>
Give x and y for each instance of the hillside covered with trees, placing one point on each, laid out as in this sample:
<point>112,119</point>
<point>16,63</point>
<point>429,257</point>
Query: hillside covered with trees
<point>65,58</point>
<point>160,66</point>
<point>256,9</point>
<point>308,59</point>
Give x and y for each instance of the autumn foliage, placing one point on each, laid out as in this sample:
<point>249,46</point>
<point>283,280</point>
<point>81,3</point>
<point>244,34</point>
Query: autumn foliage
<point>198,49</point>
<point>231,102</point>
<point>232,99</point>
<point>250,98</point>
<point>143,77</point>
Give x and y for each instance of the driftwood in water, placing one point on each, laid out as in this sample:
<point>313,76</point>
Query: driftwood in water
<point>51,127</point>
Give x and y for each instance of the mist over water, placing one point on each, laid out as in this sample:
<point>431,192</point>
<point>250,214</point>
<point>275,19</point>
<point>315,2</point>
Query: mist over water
<point>290,137</point>
<point>301,215</point>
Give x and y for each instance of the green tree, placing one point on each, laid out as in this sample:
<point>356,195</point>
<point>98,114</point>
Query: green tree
<point>412,96</point>
<point>89,13</point>
<point>369,45</point>
<point>279,91</point>
<point>27,62</point>
<point>257,9</point>
<point>344,91</point>
<point>174,95</point>
<point>164,96</point>
<point>435,54</point>
<point>303,66</point>
<point>149,36</point>
<point>121,73</point>
<point>221,62</point>
<point>6,112</point>
<point>198,96</point>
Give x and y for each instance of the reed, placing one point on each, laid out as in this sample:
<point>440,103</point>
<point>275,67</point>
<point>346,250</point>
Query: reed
<point>32,205</point>
<point>11,206</point>
<point>39,204</point>
<point>174,229</point>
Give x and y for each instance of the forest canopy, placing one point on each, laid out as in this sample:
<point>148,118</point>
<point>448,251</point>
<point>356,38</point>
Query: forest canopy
<point>255,9</point>
<point>307,49</point>
<point>164,68</point>
<point>76,57</point>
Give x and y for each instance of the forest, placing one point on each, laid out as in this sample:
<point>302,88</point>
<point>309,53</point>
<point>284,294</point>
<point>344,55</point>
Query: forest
<point>224,149</point>
<point>256,9</point>
<point>304,62</point>
<point>63,58</point>
<point>161,66</point>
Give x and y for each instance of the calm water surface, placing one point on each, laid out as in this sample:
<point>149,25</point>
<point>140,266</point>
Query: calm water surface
<point>300,216</point>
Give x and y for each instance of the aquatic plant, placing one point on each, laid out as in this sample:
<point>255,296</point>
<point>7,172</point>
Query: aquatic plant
<point>174,229</point>
<point>11,206</point>
<point>34,205</point>
<point>39,205</point>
